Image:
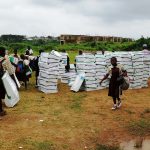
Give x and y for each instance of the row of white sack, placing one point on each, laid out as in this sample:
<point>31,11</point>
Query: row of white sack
<point>75,86</point>
<point>54,65</point>
<point>89,85</point>
<point>54,54</point>
<point>12,95</point>
<point>105,63</point>
<point>100,58</point>
<point>52,89</point>
<point>51,76</point>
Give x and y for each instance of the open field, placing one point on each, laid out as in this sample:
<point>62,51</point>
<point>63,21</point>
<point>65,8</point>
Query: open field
<point>74,121</point>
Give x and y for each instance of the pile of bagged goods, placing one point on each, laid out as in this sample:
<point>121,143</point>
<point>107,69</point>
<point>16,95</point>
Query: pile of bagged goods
<point>49,72</point>
<point>87,74</point>
<point>90,69</point>
<point>52,67</point>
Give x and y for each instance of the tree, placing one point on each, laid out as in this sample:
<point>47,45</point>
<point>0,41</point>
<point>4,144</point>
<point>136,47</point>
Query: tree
<point>12,38</point>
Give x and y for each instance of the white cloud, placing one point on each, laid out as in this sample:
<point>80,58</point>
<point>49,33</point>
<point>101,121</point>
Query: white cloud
<point>129,18</point>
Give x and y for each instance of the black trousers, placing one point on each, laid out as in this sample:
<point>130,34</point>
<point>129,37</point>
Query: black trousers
<point>1,107</point>
<point>115,98</point>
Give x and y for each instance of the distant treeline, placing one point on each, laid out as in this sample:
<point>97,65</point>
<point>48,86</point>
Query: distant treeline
<point>21,42</point>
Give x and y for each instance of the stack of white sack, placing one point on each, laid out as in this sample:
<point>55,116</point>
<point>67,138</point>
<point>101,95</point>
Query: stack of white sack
<point>65,77</point>
<point>80,65</point>
<point>62,65</point>
<point>68,77</point>
<point>101,70</point>
<point>146,61</point>
<point>72,68</point>
<point>71,78</point>
<point>108,58</point>
<point>86,63</point>
<point>137,62</point>
<point>90,73</point>
<point>49,70</point>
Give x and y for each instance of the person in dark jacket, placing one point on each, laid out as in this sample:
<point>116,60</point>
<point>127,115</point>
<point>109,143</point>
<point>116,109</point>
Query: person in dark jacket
<point>67,67</point>
<point>37,67</point>
<point>2,89</point>
<point>79,53</point>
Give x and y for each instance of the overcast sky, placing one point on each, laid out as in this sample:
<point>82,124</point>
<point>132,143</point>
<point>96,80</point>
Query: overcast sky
<point>126,18</point>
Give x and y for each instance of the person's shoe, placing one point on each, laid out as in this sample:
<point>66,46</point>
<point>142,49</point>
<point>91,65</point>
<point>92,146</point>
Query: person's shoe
<point>114,107</point>
<point>3,113</point>
<point>119,104</point>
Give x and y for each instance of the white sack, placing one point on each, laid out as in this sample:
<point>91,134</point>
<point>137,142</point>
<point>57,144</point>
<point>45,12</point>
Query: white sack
<point>78,82</point>
<point>12,96</point>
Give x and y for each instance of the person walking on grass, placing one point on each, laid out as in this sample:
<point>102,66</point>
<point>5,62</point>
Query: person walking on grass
<point>4,65</point>
<point>79,53</point>
<point>115,70</point>
<point>37,67</point>
<point>29,51</point>
<point>22,69</point>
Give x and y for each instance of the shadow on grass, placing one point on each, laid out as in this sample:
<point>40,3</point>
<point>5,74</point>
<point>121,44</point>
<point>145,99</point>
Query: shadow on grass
<point>106,147</point>
<point>145,112</point>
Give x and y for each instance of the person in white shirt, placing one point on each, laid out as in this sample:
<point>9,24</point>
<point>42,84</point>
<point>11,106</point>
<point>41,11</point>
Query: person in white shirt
<point>29,51</point>
<point>145,50</point>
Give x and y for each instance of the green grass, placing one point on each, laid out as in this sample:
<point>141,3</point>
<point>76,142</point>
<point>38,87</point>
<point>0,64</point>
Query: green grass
<point>45,145</point>
<point>28,143</point>
<point>92,46</point>
<point>140,127</point>
<point>77,101</point>
<point>57,112</point>
<point>72,55</point>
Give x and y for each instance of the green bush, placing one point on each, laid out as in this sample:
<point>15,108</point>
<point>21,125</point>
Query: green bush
<point>48,45</point>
